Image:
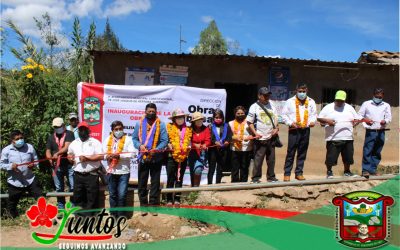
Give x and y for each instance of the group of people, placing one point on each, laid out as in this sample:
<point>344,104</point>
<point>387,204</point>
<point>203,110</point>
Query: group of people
<point>74,154</point>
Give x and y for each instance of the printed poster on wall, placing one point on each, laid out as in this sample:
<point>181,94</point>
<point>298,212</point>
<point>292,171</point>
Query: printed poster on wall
<point>279,80</point>
<point>139,76</point>
<point>101,104</point>
<point>173,75</point>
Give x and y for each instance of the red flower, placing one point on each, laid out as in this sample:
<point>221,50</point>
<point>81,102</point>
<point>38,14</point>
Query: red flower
<point>42,213</point>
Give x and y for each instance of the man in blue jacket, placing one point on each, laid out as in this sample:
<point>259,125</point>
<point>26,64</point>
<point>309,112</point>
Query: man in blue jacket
<point>150,138</point>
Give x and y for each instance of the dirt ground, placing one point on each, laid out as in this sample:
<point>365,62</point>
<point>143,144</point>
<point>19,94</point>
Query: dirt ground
<point>165,227</point>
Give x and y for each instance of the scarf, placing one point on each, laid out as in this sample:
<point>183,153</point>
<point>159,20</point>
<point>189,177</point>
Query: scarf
<point>60,144</point>
<point>149,140</point>
<point>216,134</point>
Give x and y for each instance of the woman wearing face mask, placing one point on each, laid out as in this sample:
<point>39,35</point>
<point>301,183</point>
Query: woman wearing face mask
<point>179,143</point>
<point>19,178</point>
<point>241,146</point>
<point>201,140</point>
<point>221,136</point>
<point>119,149</point>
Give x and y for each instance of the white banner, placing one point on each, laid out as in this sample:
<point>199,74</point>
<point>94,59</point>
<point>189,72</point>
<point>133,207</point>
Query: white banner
<point>101,104</point>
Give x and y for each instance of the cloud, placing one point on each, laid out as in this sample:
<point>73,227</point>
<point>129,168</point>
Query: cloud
<point>125,7</point>
<point>206,19</point>
<point>22,12</point>
<point>82,8</point>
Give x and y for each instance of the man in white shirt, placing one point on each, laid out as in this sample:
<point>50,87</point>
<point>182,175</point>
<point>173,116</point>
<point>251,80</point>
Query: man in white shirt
<point>119,150</point>
<point>300,114</point>
<point>377,115</point>
<point>339,119</point>
<point>261,126</point>
<point>85,154</point>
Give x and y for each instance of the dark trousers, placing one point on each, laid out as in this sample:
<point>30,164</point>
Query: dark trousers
<point>373,145</point>
<point>240,166</point>
<point>217,158</point>
<point>118,188</point>
<point>15,193</point>
<point>297,142</point>
<point>86,190</point>
<point>154,169</point>
<point>263,149</point>
<point>172,178</point>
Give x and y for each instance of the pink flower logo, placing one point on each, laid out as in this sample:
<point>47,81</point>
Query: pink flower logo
<point>42,213</point>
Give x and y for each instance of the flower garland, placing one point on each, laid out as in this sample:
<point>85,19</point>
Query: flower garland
<point>238,131</point>
<point>120,147</point>
<point>156,135</point>
<point>179,143</point>
<point>305,118</point>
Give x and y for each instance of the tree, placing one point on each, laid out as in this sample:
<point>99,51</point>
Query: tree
<point>251,52</point>
<point>48,34</point>
<point>211,42</point>
<point>234,48</point>
<point>81,62</point>
<point>108,41</point>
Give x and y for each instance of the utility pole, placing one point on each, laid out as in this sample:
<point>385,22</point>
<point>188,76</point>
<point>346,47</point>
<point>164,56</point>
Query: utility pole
<point>180,39</point>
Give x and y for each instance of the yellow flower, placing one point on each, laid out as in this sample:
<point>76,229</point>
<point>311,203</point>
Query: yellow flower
<point>29,75</point>
<point>24,67</point>
<point>41,67</point>
<point>29,60</point>
<point>28,67</point>
<point>35,65</point>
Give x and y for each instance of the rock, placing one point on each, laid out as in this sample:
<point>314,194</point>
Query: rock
<point>374,220</point>
<point>138,231</point>
<point>128,234</point>
<point>187,231</point>
<point>278,192</point>
<point>172,237</point>
<point>299,193</point>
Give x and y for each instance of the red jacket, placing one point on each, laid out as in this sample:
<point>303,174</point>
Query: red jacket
<point>204,137</point>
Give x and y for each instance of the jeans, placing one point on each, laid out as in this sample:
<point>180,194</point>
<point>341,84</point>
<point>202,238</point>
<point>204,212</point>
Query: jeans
<point>63,170</point>
<point>373,145</point>
<point>118,188</point>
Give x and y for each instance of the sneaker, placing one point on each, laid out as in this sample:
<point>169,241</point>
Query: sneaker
<point>255,181</point>
<point>272,179</point>
<point>365,175</point>
<point>349,174</point>
<point>329,175</point>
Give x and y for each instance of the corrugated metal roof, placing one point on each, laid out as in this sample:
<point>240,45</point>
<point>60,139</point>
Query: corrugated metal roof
<point>315,61</point>
<point>377,56</point>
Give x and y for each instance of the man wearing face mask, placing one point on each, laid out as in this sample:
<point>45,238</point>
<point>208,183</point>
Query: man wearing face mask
<point>56,151</point>
<point>300,114</point>
<point>377,115</point>
<point>120,150</point>
<point>180,137</point>
<point>263,126</point>
<point>339,118</point>
<point>150,137</point>
<point>85,153</point>
<point>19,178</point>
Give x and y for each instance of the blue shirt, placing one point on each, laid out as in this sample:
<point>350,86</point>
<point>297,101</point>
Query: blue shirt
<point>74,130</point>
<point>162,140</point>
<point>10,155</point>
